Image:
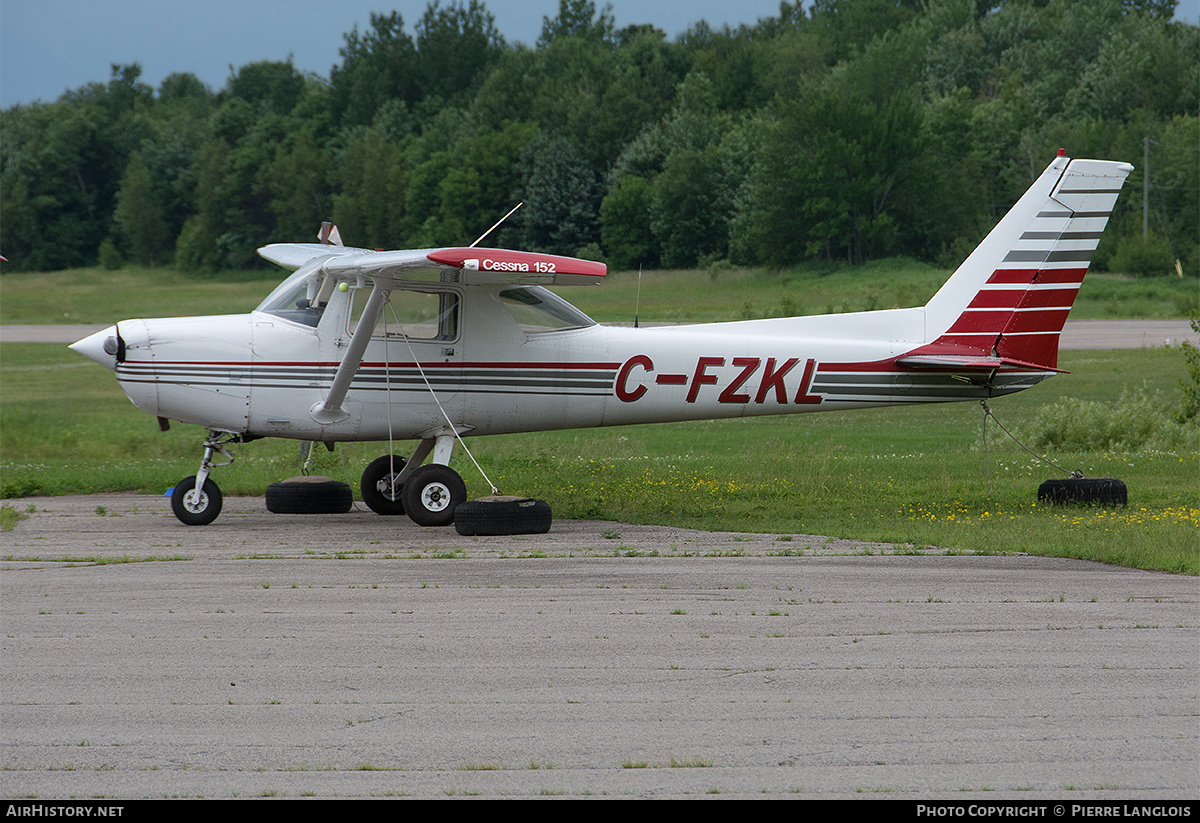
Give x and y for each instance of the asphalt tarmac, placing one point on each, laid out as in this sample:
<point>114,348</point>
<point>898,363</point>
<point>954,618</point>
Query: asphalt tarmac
<point>354,655</point>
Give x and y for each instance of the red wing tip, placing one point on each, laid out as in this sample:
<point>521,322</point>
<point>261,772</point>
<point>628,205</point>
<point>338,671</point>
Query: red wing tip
<point>509,261</point>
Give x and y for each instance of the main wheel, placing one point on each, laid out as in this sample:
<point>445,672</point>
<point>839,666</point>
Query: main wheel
<point>196,507</point>
<point>309,495</point>
<point>502,514</point>
<point>380,491</point>
<point>432,493</point>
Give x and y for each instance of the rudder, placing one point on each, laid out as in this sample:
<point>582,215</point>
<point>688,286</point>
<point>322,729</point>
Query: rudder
<point>1010,298</point>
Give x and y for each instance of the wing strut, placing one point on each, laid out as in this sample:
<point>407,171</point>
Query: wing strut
<point>331,411</point>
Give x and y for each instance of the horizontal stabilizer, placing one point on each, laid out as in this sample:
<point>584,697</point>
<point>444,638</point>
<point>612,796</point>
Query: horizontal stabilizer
<point>968,362</point>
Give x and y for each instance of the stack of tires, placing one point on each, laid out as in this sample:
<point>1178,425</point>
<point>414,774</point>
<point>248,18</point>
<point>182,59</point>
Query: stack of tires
<point>1101,491</point>
<point>310,495</point>
<point>502,514</point>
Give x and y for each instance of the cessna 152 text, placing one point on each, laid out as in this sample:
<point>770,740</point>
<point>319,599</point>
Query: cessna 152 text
<point>432,344</point>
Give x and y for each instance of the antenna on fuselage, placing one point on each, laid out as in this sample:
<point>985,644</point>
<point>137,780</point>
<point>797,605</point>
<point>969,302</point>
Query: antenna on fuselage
<point>497,223</point>
<point>637,301</point>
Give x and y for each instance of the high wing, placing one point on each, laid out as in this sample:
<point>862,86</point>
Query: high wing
<point>476,266</point>
<point>292,256</point>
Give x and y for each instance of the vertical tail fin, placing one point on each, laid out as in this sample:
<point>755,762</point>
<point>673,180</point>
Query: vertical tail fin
<point>1010,298</point>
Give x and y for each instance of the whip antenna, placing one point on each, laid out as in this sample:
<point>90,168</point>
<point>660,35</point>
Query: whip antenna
<point>637,301</point>
<point>497,223</point>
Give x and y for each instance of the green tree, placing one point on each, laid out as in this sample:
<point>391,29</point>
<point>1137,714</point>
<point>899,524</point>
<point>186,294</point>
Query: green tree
<point>571,78</point>
<point>456,45</point>
<point>364,205</point>
<point>298,181</point>
<point>685,210</point>
<point>578,19</point>
<point>196,248</point>
<point>625,225</point>
<point>271,85</point>
<point>184,87</point>
<point>377,66</point>
<point>140,215</point>
<point>64,160</point>
<point>561,198</point>
<point>826,179</point>
<point>849,25</point>
<point>20,219</point>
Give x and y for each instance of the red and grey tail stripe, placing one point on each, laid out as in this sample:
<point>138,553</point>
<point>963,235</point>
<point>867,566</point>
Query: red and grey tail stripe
<point>885,385</point>
<point>1019,313</point>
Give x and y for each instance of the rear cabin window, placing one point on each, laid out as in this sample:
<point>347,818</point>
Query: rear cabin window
<point>537,310</point>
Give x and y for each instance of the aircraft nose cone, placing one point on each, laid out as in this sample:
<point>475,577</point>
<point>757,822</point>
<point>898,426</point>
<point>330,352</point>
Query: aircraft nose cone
<point>101,347</point>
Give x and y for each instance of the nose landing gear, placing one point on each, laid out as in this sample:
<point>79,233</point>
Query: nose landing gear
<point>196,500</point>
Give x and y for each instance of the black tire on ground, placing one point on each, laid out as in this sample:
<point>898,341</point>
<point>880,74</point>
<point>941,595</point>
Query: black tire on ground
<point>379,489</point>
<point>199,511</point>
<point>432,493</point>
<point>502,514</point>
<point>1103,491</point>
<point>309,495</point>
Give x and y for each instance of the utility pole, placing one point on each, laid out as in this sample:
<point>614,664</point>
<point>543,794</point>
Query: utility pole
<point>1145,187</point>
<point>1146,141</point>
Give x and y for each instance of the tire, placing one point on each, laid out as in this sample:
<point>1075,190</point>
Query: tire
<point>198,510</point>
<point>1103,491</point>
<point>432,493</point>
<point>309,495</point>
<point>379,491</point>
<point>502,514</point>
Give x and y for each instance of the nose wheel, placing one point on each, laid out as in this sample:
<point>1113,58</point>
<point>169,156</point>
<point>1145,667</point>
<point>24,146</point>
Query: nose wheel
<point>196,506</point>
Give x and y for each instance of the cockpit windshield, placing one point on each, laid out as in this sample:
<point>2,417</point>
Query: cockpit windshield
<point>295,299</point>
<point>538,310</point>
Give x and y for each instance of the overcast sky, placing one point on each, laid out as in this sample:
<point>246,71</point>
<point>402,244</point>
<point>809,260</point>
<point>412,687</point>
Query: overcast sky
<point>50,46</point>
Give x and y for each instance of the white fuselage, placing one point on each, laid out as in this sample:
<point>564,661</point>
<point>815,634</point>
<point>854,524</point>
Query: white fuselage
<point>259,374</point>
<point>427,344</point>
<point>430,344</point>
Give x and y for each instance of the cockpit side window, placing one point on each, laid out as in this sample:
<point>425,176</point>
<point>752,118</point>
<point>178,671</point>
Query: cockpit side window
<point>417,315</point>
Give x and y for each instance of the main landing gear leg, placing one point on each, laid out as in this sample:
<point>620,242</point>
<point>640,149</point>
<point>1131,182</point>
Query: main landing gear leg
<point>196,500</point>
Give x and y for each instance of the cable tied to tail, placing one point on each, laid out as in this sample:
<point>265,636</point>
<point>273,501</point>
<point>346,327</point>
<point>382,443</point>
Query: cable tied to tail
<point>987,412</point>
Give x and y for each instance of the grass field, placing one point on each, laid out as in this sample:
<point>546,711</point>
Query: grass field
<point>95,296</point>
<point>908,476</point>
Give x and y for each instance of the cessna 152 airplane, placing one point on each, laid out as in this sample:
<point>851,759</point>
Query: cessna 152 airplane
<point>432,344</point>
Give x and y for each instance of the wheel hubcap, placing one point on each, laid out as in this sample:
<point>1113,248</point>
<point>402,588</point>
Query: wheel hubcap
<point>195,501</point>
<point>387,487</point>
<point>435,497</point>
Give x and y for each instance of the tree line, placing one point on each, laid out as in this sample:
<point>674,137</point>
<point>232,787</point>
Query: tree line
<point>843,131</point>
